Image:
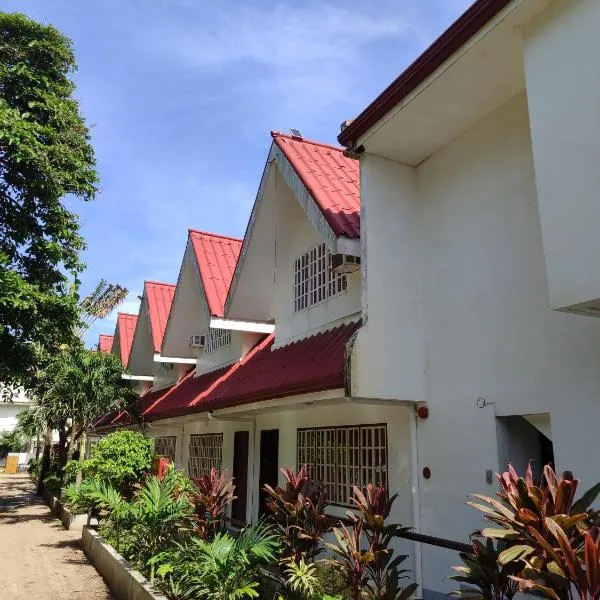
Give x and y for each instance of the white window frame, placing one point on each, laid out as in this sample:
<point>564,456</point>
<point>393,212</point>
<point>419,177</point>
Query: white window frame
<point>315,281</point>
<point>166,445</point>
<point>217,339</point>
<point>205,452</point>
<point>344,456</point>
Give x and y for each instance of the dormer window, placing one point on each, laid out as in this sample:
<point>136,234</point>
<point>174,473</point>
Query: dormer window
<point>314,279</point>
<point>217,339</point>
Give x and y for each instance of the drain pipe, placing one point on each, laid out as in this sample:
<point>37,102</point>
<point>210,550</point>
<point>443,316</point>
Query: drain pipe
<point>416,507</point>
<point>252,421</point>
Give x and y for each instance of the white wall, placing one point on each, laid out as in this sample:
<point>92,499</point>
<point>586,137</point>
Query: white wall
<point>563,86</point>
<point>295,235</point>
<point>8,414</point>
<point>488,329</point>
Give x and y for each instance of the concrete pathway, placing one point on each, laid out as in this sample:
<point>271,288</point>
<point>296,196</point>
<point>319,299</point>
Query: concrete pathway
<point>39,560</point>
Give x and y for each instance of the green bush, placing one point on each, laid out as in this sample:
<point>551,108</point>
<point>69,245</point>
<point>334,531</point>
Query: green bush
<point>33,467</point>
<point>120,459</point>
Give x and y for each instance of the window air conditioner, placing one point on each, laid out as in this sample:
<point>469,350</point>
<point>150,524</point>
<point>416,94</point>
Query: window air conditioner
<point>345,263</point>
<point>197,341</point>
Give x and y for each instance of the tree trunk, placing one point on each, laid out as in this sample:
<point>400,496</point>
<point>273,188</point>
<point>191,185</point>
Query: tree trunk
<point>71,449</point>
<point>37,446</point>
<point>45,466</point>
<point>82,447</point>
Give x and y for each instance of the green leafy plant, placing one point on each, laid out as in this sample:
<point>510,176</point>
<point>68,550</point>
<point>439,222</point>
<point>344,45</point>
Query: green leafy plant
<point>225,568</point>
<point>482,575</point>
<point>370,568</point>
<point>214,492</point>
<point>121,459</point>
<point>541,534</point>
<point>298,509</point>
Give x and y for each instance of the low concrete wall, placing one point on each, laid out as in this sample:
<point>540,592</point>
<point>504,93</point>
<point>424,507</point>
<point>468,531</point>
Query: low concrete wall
<point>68,520</point>
<point>124,582</point>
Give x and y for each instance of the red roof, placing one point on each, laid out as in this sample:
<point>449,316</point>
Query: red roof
<point>160,298</point>
<point>458,34</point>
<point>185,394</point>
<point>105,343</point>
<point>313,364</point>
<point>217,256</point>
<point>332,179</point>
<point>126,323</point>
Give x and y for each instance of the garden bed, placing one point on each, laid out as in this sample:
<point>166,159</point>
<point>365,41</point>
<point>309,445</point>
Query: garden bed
<point>69,520</point>
<point>124,581</point>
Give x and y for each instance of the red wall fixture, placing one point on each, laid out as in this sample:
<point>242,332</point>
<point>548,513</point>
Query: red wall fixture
<point>422,410</point>
<point>160,466</point>
<point>426,472</point>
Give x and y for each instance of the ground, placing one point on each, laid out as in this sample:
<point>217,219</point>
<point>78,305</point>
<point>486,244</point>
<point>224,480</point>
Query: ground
<point>38,559</point>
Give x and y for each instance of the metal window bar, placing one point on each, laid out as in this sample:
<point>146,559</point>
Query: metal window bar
<point>205,452</point>
<point>217,339</point>
<point>343,456</point>
<point>165,446</point>
<point>314,279</point>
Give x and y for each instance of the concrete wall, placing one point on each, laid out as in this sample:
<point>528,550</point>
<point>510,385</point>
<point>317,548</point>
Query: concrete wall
<point>484,329</point>
<point>563,87</point>
<point>295,235</point>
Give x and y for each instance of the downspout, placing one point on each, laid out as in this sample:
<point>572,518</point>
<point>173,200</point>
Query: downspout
<point>416,507</point>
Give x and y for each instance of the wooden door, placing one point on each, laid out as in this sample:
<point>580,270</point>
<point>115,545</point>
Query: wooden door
<point>269,465</point>
<point>240,474</point>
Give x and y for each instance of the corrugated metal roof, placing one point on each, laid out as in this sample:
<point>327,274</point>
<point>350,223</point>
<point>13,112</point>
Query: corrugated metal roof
<point>160,298</point>
<point>313,364</point>
<point>217,256</point>
<point>126,323</point>
<point>105,343</point>
<point>332,179</point>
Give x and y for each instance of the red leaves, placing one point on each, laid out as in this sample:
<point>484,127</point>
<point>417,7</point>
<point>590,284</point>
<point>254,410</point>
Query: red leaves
<point>214,492</point>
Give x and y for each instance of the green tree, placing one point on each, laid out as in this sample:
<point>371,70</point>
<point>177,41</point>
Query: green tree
<point>45,155</point>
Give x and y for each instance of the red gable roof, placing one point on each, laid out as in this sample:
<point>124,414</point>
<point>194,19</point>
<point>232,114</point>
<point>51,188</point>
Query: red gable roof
<point>313,364</point>
<point>458,34</point>
<point>126,323</point>
<point>105,343</point>
<point>332,179</point>
<point>217,256</point>
<point>160,298</point>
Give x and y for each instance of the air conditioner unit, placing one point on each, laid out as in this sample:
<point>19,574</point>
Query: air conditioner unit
<point>197,341</point>
<point>345,263</point>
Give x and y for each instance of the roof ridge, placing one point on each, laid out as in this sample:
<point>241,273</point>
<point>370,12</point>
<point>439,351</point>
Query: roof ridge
<point>278,134</point>
<point>159,283</point>
<point>127,314</point>
<point>217,235</point>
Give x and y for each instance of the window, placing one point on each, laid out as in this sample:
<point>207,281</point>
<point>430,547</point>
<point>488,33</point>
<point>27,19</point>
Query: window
<point>341,457</point>
<point>165,446</point>
<point>314,280</point>
<point>217,339</point>
<point>206,452</point>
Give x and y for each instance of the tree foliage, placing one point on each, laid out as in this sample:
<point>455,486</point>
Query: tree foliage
<point>45,155</point>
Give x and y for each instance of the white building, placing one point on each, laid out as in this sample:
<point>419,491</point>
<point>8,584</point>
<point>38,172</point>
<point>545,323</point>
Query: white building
<point>480,214</point>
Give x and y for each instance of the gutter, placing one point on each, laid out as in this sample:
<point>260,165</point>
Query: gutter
<point>458,34</point>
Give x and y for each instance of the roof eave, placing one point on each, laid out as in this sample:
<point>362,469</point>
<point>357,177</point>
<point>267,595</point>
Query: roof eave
<point>459,33</point>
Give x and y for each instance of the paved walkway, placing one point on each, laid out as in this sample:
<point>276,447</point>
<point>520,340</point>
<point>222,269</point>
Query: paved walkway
<point>39,560</point>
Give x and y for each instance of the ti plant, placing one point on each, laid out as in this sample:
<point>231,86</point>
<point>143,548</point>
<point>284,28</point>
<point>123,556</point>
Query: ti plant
<point>298,510</point>
<point>214,492</point>
<point>371,569</point>
<point>484,577</point>
<point>546,538</point>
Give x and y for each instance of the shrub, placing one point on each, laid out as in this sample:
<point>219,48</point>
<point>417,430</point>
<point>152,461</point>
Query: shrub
<point>120,459</point>
<point>214,492</point>
<point>298,509</point>
<point>33,467</point>
<point>371,570</point>
<point>546,541</point>
<point>223,569</point>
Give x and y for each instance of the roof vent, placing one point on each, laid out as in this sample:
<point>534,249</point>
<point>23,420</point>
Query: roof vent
<point>296,134</point>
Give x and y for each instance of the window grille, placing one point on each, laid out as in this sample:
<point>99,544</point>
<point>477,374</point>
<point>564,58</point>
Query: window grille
<point>165,446</point>
<point>341,457</point>
<point>217,339</point>
<point>314,279</point>
<point>89,447</point>
<point>206,451</point>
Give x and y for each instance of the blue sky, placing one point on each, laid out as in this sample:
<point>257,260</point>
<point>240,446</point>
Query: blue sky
<point>181,96</point>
